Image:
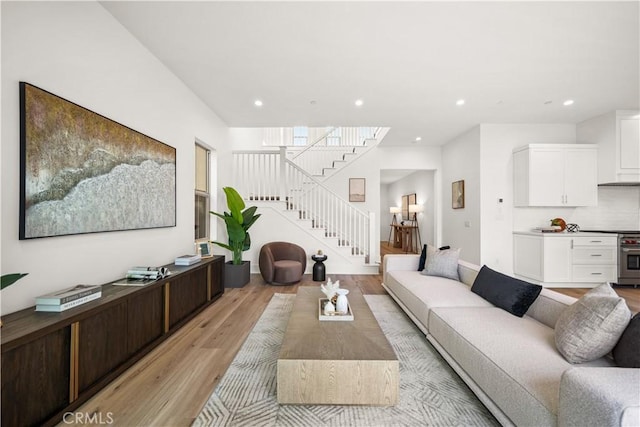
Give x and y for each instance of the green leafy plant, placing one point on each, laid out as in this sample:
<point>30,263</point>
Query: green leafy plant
<point>238,221</point>
<point>10,279</point>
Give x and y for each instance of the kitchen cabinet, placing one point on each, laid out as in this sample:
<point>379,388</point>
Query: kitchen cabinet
<point>566,259</point>
<point>617,135</point>
<point>555,175</point>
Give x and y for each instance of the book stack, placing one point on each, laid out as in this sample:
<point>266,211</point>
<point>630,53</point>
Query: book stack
<point>68,298</point>
<point>188,259</point>
<point>149,273</point>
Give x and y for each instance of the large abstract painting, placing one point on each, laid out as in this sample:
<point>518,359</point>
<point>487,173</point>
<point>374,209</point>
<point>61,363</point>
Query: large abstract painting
<point>84,173</point>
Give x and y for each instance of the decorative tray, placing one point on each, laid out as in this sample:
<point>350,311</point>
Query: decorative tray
<point>336,316</point>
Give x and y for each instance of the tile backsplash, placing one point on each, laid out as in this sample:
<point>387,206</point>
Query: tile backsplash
<point>618,209</point>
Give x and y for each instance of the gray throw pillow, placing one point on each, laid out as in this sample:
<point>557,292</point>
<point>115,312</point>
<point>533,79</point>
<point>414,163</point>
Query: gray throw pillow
<point>590,328</point>
<point>443,264</point>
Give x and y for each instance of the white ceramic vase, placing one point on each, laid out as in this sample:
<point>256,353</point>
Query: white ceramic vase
<point>329,308</point>
<point>342,305</point>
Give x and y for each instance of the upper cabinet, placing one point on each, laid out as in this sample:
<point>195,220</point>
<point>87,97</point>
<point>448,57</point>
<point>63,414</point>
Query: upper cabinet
<point>555,175</point>
<point>618,137</point>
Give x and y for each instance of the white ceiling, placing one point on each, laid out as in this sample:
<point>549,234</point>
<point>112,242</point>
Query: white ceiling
<point>513,62</point>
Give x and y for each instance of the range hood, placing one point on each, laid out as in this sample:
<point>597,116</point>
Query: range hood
<point>617,135</point>
<point>619,184</point>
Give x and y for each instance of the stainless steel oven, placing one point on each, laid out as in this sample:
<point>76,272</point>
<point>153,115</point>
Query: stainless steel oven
<point>629,259</point>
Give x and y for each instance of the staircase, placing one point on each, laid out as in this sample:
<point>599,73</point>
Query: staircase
<point>290,181</point>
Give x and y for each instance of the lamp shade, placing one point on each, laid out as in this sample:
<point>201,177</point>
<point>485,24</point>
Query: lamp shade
<point>394,209</point>
<point>415,208</point>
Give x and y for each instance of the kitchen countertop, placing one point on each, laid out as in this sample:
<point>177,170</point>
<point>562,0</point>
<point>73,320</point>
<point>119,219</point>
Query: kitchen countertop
<point>564,234</point>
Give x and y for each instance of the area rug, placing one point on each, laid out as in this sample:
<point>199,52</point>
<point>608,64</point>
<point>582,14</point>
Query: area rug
<point>431,394</point>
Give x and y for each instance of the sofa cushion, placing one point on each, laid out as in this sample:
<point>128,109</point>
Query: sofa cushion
<point>512,359</point>
<point>443,264</point>
<point>548,307</point>
<point>506,292</point>
<point>627,351</point>
<point>591,327</point>
<point>419,293</point>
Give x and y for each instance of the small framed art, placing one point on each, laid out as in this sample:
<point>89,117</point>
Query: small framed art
<point>457,194</point>
<point>205,249</point>
<point>357,189</point>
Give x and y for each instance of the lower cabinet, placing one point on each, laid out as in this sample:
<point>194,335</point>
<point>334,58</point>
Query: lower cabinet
<point>35,379</point>
<point>54,362</point>
<point>566,260</point>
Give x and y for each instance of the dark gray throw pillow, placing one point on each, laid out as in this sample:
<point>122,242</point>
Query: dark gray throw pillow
<point>627,352</point>
<point>423,258</point>
<point>508,293</point>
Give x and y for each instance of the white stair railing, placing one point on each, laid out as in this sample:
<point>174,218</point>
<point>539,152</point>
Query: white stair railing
<point>256,174</point>
<point>268,175</point>
<point>333,146</point>
<point>326,210</point>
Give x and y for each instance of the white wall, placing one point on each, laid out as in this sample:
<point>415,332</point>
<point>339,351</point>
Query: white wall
<point>461,227</point>
<point>421,183</point>
<point>384,215</point>
<point>496,181</point>
<point>78,51</point>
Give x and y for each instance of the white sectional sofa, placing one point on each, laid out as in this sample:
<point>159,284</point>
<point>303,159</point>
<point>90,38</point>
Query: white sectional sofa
<point>511,363</point>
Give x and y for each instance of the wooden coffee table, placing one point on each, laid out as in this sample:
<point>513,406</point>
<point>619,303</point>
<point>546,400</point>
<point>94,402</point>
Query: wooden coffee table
<point>335,362</point>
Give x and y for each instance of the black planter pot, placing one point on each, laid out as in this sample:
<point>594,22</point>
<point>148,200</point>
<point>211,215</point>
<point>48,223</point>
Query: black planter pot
<point>236,276</point>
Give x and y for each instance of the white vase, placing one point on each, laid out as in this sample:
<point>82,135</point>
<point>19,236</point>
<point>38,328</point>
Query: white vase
<point>342,305</point>
<point>329,308</point>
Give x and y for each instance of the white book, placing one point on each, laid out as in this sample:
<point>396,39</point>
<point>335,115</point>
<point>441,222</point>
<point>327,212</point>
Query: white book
<point>67,295</point>
<point>187,259</point>
<point>62,307</point>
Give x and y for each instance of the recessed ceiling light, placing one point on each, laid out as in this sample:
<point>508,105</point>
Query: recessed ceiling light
<point>418,138</point>
<point>359,102</point>
<point>460,102</point>
<point>257,103</point>
<point>568,102</point>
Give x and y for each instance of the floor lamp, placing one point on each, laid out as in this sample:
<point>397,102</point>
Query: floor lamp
<point>393,210</point>
<point>415,210</point>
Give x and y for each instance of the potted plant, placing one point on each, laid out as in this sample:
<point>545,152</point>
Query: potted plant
<point>10,279</point>
<point>238,221</point>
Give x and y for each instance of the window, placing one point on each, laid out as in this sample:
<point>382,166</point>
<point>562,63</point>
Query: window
<point>300,135</point>
<point>334,137</point>
<point>202,196</point>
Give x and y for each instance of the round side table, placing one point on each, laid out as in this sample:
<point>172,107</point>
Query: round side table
<point>319,270</point>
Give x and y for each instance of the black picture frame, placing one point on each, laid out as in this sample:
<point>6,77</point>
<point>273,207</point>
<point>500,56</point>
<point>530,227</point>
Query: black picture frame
<point>407,199</point>
<point>81,172</point>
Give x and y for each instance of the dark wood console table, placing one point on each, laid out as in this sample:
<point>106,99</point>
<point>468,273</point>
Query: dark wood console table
<point>54,362</point>
<point>403,237</point>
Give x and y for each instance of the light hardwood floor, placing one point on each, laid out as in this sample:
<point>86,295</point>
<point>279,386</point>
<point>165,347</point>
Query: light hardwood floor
<point>170,385</point>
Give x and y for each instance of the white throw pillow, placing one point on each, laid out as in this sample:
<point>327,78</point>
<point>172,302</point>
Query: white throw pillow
<point>442,263</point>
<point>590,328</point>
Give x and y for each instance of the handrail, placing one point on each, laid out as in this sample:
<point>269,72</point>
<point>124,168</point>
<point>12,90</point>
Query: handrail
<point>320,184</point>
<point>313,144</point>
<point>270,175</point>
